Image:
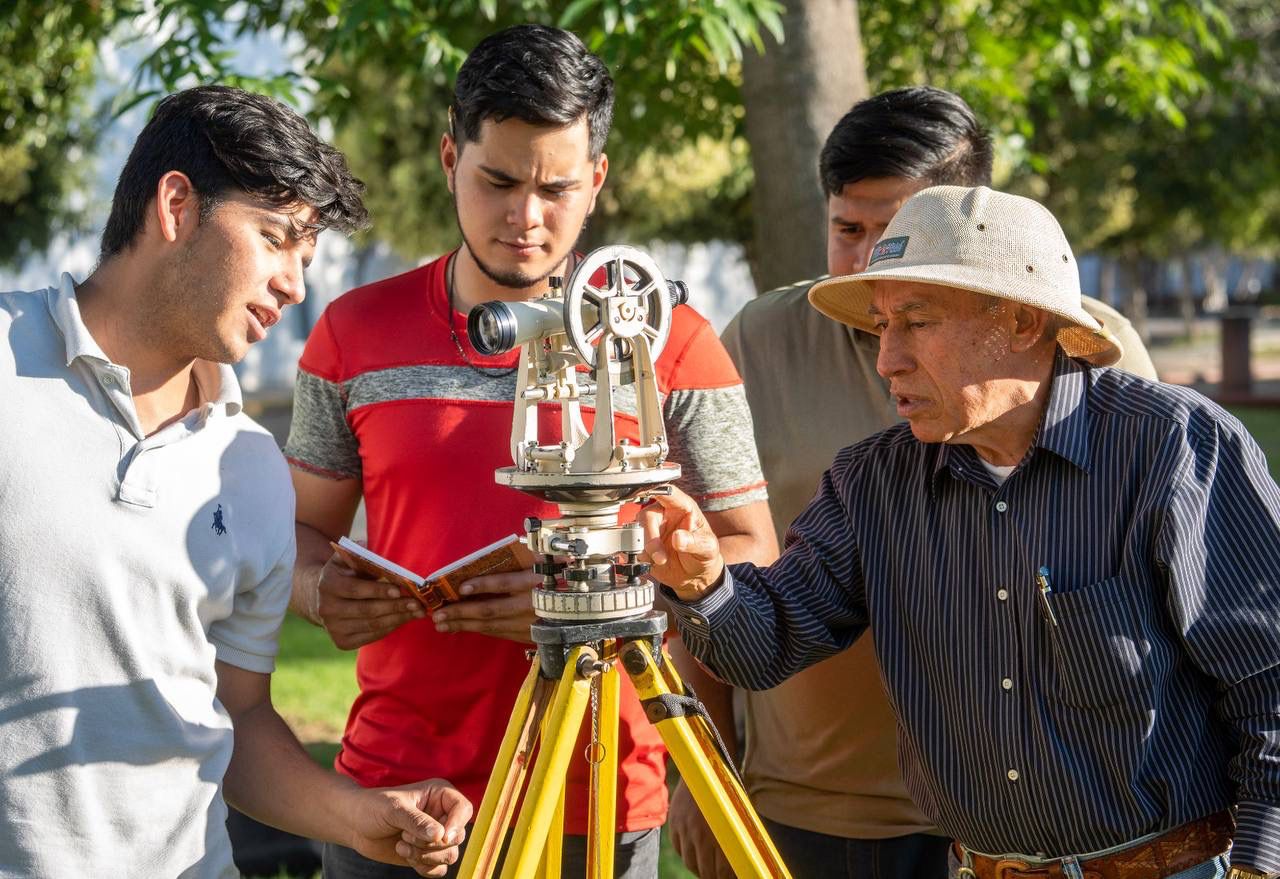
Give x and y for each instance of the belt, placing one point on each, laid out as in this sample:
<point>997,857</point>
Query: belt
<point>1164,855</point>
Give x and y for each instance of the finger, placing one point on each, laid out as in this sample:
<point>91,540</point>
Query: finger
<point>415,852</point>
<point>427,863</point>
<point>361,624</point>
<point>458,816</point>
<point>511,630</point>
<point>699,544</point>
<point>698,865</point>
<point>651,521</point>
<point>486,609</point>
<point>500,584</point>
<point>344,608</point>
<point>351,634</point>
<point>334,582</point>
<point>676,836</point>
<point>417,823</point>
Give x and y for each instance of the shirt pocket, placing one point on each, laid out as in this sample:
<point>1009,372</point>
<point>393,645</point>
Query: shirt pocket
<point>1101,645</point>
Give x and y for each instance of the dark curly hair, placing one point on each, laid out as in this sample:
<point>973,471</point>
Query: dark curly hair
<point>537,74</point>
<point>921,133</point>
<point>230,140</point>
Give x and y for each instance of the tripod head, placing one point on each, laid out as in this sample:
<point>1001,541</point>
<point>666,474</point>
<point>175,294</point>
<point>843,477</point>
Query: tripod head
<point>594,338</point>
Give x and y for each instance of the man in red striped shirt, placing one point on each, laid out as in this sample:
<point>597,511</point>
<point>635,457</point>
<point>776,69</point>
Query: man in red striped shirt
<point>393,404</point>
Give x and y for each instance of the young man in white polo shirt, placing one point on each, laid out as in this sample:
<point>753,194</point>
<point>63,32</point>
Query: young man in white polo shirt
<point>146,523</point>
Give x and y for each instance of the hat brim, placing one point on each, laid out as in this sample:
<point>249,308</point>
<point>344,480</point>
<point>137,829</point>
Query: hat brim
<point>847,298</point>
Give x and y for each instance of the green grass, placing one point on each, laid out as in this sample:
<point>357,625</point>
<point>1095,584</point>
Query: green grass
<point>314,684</point>
<point>1264,423</point>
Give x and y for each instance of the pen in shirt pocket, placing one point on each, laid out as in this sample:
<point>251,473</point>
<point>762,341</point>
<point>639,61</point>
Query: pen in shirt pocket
<point>1046,606</point>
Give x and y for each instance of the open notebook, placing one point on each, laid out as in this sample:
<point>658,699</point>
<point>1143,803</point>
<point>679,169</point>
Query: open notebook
<point>441,586</point>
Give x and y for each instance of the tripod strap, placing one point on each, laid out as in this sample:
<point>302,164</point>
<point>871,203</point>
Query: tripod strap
<point>669,705</point>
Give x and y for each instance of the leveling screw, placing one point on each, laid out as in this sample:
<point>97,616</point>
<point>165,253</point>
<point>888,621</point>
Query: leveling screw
<point>589,665</point>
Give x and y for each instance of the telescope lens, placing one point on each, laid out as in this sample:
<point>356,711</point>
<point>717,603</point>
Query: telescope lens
<point>491,327</point>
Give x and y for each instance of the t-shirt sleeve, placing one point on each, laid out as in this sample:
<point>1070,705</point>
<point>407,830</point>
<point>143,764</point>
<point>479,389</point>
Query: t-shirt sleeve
<point>731,339</point>
<point>250,637</point>
<point>709,427</point>
<point>320,437</point>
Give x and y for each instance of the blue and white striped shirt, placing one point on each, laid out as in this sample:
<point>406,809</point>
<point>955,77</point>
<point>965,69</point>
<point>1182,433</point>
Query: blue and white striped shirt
<point>1153,700</point>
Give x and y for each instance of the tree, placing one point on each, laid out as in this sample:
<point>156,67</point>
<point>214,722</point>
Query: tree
<point>794,92</point>
<point>47,50</point>
<point>1202,184</point>
<point>383,74</point>
<point>380,71</point>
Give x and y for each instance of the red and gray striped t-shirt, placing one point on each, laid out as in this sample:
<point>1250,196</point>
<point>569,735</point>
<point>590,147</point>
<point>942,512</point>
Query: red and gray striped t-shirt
<point>383,396</point>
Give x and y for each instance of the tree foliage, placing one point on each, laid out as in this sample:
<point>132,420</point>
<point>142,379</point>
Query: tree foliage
<point>1071,86</point>
<point>47,53</point>
<point>1149,188</point>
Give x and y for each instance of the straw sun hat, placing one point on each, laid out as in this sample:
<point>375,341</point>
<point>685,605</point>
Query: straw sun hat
<point>980,240</point>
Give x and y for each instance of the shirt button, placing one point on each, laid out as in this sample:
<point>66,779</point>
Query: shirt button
<point>1002,594</point>
<point>697,621</point>
<point>109,380</point>
<point>1007,683</point>
<point>1012,774</point>
<point>1001,506</point>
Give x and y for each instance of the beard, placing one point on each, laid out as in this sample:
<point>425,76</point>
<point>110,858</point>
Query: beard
<point>185,309</point>
<point>513,279</point>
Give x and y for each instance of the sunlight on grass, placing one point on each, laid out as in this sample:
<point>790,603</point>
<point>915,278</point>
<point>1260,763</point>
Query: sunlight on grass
<point>314,683</point>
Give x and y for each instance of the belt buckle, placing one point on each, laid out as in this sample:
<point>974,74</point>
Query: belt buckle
<point>1009,869</point>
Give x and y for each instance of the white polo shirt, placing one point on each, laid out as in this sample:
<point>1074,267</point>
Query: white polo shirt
<point>127,565</point>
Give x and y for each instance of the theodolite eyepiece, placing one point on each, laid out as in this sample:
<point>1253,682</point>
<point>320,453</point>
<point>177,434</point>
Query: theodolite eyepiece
<point>497,327</point>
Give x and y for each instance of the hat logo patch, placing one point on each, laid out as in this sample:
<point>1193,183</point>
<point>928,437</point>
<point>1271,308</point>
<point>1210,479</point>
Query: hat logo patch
<point>890,248</point>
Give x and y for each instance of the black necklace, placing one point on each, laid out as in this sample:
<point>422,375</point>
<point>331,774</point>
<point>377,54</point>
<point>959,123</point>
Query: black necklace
<point>487,373</point>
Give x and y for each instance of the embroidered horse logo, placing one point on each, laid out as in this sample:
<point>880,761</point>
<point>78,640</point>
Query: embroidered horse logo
<point>218,527</point>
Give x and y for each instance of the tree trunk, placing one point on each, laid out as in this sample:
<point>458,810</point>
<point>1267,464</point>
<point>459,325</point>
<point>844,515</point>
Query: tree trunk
<point>794,94</point>
<point>1135,301</point>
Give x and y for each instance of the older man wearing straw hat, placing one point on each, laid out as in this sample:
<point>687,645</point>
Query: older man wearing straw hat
<point>1072,574</point>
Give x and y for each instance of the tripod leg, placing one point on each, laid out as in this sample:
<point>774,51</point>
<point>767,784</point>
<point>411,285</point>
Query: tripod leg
<point>568,705</point>
<point>603,803</point>
<point>508,772</point>
<point>719,796</point>
<point>553,853</point>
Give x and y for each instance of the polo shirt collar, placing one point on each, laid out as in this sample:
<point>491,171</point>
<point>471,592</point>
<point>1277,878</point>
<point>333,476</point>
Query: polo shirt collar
<point>1064,428</point>
<point>66,314</point>
<point>219,388</point>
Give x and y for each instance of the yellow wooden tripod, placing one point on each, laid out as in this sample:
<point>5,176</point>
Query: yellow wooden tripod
<point>569,673</point>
